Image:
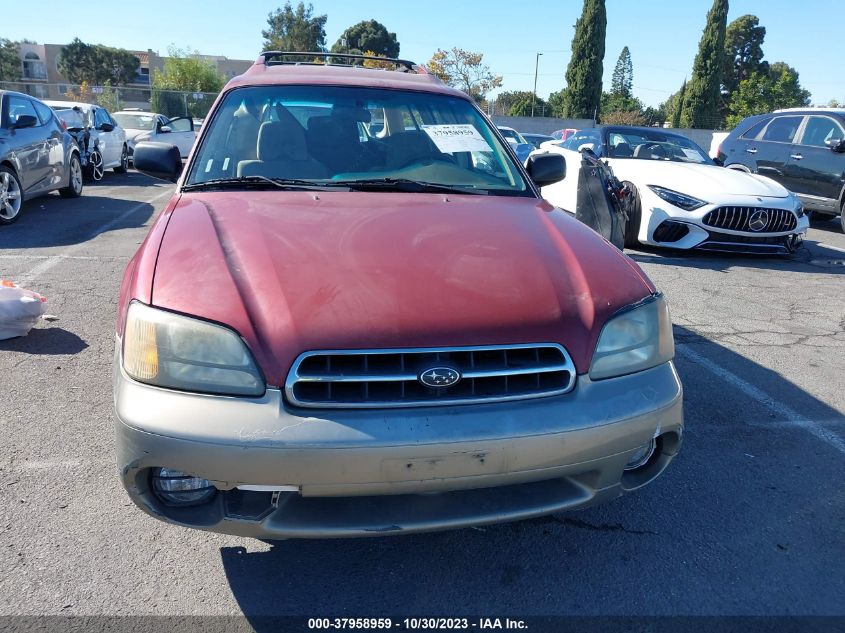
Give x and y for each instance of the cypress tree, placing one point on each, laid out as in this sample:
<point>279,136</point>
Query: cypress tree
<point>623,75</point>
<point>679,104</point>
<point>582,97</point>
<point>701,105</point>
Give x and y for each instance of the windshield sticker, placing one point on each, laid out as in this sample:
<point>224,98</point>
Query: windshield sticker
<point>691,153</point>
<point>457,138</point>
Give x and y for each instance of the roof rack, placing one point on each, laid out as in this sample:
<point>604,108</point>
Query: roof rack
<point>275,58</point>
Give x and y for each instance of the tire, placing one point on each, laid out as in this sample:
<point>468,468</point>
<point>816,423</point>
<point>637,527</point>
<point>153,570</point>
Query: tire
<point>124,162</point>
<point>738,167</point>
<point>632,226</point>
<point>11,195</point>
<point>95,165</point>
<point>74,182</point>
<point>842,215</point>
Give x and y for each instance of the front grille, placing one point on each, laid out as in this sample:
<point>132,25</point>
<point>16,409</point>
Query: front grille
<point>391,377</point>
<point>738,219</point>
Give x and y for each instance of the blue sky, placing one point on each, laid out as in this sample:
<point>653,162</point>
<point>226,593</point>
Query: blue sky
<point>661,34</point>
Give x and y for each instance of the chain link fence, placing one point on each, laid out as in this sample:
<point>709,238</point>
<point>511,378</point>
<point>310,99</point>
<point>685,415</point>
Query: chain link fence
<point>171,103</point>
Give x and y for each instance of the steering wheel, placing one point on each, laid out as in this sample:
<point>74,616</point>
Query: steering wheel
<point>651,144</point>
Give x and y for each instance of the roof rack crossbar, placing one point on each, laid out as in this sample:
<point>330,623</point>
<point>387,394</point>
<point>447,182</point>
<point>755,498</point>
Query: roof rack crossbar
<point>272,58</point>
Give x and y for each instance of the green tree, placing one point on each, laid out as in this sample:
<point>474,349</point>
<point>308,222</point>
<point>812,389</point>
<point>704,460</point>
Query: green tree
<point>295,29</point>
<point>509,99</point>
<point>584,74</point>
<point>184,72</point>
<point>557,104</point>
<point>368,35</point>
<point>763,92</point>
<point>743,51</point>
<point>703,94</point>
<point>523,107</point>
<point>464,70</point>
<point>96,64</point>
<point>623,75</point>
<point>10,61</point>
<point>676,103</point>
<point>618,102</point>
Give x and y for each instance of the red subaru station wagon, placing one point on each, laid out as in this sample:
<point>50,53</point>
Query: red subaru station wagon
<point>357,316</point>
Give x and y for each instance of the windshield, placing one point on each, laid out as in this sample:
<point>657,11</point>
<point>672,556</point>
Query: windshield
<point>334,135</point>
<point>143,121</point>
<point>73,119</point>
<point>648,145</point>
<point>511,135</point>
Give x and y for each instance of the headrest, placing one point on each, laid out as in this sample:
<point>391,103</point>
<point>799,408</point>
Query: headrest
<point>280,140</point>
<point>352,113</point>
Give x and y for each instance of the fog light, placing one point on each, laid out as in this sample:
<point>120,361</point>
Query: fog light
<point>641,456</point>
<point>176,488</point>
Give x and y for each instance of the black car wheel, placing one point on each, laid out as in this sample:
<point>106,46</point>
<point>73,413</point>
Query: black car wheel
<point>632,226</point>
<point>842,214</point>
<point>11,196</point>
<point>74,183</point>
<point>124,162</point>
<point>95,165</point>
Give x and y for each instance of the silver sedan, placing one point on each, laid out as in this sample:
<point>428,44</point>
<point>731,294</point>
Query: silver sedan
<point>37,155</point>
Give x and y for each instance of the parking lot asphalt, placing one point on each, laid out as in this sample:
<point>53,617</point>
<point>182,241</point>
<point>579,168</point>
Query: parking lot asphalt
<point>749,519</point>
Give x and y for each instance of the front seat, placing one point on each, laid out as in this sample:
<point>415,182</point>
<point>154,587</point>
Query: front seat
<point>621,150</point>
<point>282,152</point>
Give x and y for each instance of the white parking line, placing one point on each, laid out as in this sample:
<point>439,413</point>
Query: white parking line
<point>789,416</point>
<point>79,257</point>
<point>48,263</point>
<point>833,248</point>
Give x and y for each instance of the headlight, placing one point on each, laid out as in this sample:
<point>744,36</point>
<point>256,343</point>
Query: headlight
<point>170,350</point>
<point>687,203</point>
<point>798,207</point>
<point>634,340</point>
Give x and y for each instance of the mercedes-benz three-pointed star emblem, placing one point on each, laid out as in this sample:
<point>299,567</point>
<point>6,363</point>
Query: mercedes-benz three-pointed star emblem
<point>758,220</point>
<point>439,377</point>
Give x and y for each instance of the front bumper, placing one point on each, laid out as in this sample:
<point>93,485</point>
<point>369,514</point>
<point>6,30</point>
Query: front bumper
<point>371,472</point>
<point>670,227</point>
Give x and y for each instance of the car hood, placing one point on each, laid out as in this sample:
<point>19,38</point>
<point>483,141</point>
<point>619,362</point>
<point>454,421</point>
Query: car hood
<point>699,181</point>
<point>132,133</point>
<point>298,271</point>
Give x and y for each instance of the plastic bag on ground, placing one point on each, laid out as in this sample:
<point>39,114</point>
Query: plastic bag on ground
<point>20,309</point>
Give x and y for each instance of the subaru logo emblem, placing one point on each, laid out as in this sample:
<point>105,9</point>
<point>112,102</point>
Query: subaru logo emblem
<point>440,377</point>
<point>758,220</point>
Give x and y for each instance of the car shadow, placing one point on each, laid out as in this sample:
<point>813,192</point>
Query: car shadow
<point>54,221</point>
<point>708,527</point>
<point>811,257</point>
<point>45,341</point>
<point>829,224</point>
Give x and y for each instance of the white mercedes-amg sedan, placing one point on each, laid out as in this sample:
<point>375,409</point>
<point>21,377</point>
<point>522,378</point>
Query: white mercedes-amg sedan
<point>682,198</point>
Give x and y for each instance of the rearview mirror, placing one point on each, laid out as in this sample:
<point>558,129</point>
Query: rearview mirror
<point>836,144</point>
<point>546,169</point>
<point>24,121</point>
<point>159,160</point>
<point>105,127</point>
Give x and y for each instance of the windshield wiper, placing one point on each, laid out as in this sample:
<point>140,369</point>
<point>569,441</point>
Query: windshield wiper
<point>260,182</point>
<point>407,185</point>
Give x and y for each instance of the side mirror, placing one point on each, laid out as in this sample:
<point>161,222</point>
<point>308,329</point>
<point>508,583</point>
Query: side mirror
<point>546,169</point>
<point>105,127</point>
<point>836,144</point>
<point>159,160</point>
<point>164,129</point>
<point>719,161</point>
<point>24,121</point>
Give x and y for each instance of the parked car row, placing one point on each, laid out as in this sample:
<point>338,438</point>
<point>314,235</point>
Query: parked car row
<point>55,145</point>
